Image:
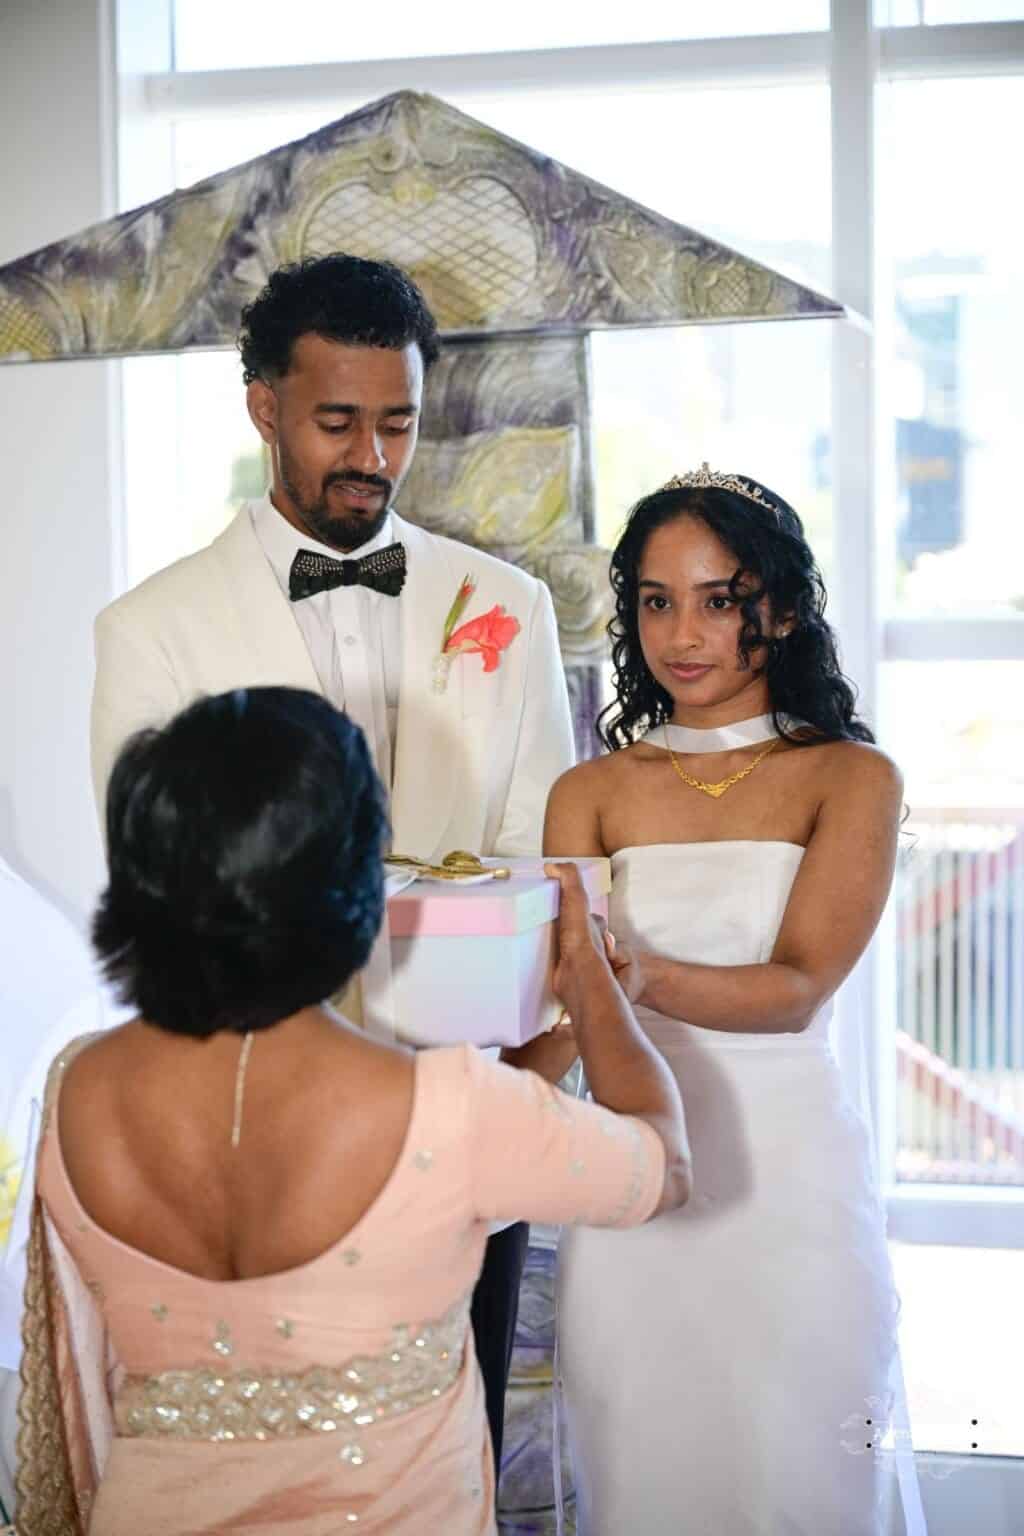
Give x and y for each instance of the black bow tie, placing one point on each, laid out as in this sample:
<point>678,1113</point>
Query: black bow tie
<point>310,573</point>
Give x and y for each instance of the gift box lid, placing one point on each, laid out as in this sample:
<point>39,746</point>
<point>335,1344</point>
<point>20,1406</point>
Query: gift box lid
<point>526,900</point>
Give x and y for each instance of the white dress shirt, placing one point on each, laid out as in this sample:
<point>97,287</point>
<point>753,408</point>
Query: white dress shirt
<point>353,634</point>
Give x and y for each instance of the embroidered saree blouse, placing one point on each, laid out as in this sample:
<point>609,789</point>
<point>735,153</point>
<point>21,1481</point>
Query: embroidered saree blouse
<point>343,1393</point>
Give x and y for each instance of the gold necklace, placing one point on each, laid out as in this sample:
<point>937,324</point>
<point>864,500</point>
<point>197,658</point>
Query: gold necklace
<point>719,789</point>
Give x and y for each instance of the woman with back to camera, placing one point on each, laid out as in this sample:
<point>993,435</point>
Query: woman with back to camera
<point>725,1369</point>
<point>257,1229</point>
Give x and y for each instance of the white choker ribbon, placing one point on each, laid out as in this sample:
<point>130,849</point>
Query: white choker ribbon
<point>718,738</point>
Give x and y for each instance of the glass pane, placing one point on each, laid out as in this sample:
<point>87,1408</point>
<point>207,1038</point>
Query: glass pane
<point>956,258</point>
<point>216,463</point>
<point>916,13</point>
<point>957,730</point>
<point>247,35</point>
<point>960,1307</point>
<point>943,12</point>
<point>204,146</point>
<point>898,13</point>
<point>753,399</point>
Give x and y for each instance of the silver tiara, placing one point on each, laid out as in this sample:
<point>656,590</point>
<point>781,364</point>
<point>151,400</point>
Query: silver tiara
<point>707,478</point>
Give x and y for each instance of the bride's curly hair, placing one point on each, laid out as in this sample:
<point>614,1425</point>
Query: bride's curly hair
<point>802,669</point>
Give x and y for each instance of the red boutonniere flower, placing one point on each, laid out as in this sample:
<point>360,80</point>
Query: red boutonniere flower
<point>488,635</point>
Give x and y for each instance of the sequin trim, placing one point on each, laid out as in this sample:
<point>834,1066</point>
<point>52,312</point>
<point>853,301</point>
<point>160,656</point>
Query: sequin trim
<point>207,1404</point>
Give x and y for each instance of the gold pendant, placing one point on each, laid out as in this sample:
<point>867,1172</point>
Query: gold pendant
<point>716,791</point>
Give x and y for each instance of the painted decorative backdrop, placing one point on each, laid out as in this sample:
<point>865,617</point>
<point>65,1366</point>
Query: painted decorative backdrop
<point>500,238</point>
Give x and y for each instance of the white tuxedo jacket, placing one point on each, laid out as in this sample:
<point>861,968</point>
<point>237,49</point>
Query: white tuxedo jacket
<point>473,765</point>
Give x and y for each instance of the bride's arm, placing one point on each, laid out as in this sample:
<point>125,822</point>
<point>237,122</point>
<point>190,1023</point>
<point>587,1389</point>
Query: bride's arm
<point>571,830</point>
<point>833,910</point>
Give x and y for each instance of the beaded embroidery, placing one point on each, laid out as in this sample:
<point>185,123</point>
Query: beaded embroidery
<point>208,1404</point>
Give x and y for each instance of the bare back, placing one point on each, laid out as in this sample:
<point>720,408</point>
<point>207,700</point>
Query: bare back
<point>145,1131</point>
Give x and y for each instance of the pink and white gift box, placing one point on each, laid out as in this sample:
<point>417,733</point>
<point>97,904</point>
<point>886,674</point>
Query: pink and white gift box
<point>473,962</point>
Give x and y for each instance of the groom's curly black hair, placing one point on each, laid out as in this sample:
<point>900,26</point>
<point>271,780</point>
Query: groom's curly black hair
<point>245,843</point>
<point>342,298</point>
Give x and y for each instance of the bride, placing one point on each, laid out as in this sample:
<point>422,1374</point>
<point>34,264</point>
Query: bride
<point>725,1369</point>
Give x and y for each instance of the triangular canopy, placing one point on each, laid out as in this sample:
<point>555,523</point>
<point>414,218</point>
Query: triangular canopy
<point>501,239</point>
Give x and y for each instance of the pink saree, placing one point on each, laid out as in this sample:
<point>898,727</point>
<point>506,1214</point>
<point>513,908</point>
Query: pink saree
<point>343,1393</point>
<point>64,1420</point>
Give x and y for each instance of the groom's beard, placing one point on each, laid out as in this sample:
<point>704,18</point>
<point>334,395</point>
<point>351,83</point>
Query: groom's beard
<point>344,531</point>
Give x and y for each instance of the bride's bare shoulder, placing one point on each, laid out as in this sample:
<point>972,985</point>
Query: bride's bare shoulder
<point>599,776</point>
<point>859,763</point>
<point>579,800</point>
<point>854,782</point>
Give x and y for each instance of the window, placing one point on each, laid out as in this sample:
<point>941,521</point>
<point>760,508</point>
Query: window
<point>191,455</point>
<point>929,13</point>
<point>234,36</point>
<point>955,552</point>
<point>961,1308</point>
<point>752,399</point>
<point>956,259</point>
<point>204,146</point>
<point>957,729</point>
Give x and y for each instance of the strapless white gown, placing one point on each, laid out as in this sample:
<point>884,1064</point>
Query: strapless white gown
<point>720,1365</point>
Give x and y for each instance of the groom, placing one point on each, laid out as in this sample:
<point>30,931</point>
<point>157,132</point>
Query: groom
<point>321,585</point>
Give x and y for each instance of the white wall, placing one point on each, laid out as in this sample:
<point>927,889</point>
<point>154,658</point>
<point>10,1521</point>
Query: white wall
<point>58,454</point>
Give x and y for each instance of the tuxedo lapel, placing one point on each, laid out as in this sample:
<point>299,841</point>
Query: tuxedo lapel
<point>430,741</point>
<point>431,746</point>
<point>261,616</point>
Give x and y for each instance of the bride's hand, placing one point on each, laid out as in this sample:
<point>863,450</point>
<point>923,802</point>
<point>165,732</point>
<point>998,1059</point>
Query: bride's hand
<point>628,968</point>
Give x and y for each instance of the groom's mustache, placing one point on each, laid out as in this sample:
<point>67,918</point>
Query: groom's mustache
<point>356,477</point>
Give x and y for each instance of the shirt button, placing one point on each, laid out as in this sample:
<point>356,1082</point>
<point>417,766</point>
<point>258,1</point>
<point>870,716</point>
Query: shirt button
<point>350,640</point>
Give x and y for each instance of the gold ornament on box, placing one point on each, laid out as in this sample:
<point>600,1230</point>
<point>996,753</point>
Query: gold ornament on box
<point>457,865</point>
